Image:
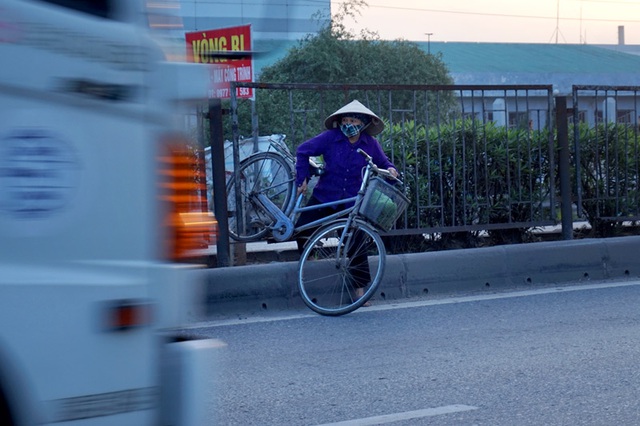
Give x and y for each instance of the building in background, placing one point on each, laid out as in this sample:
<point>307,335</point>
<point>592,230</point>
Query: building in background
<point>269,19</point>
<point>561,65</point>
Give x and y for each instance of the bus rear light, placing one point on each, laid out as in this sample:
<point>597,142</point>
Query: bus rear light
<point>189,225</point>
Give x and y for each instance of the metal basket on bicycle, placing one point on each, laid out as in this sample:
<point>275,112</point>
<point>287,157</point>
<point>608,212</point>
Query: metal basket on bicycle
<point>383,204</point>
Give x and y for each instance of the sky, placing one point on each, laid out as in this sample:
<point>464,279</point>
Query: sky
<point>506,21</point>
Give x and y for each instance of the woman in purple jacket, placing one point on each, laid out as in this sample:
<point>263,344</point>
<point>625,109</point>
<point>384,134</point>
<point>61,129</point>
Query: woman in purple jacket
<point>350,128</point>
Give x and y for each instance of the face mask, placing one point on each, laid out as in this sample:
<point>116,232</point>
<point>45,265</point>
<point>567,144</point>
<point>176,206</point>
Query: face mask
<point>350,130</point>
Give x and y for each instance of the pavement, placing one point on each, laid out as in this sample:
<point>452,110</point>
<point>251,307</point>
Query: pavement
<point>271,285</point>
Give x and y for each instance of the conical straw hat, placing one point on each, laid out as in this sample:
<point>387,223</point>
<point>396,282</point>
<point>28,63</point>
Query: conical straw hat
<point>373,129</point>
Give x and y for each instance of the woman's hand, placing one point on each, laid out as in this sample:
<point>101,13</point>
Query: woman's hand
<point>302,188</point>
<point>393,172</point>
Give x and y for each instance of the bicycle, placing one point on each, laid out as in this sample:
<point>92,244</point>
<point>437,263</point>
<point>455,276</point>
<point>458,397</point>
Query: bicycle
<point>271,172</point>
<point>327,268</point>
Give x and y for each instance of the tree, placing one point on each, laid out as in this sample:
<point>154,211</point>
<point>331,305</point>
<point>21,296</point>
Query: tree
<point>336,55</point>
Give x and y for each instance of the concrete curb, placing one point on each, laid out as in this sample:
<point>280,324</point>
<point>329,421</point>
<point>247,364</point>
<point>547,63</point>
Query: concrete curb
<point>251,289</point>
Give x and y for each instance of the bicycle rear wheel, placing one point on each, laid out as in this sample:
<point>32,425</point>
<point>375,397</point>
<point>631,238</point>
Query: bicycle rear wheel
<point>335,262</point>
<point>265,172</point>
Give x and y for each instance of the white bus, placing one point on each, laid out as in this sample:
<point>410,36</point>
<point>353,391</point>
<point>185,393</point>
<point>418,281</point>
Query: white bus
<point>98,206</point>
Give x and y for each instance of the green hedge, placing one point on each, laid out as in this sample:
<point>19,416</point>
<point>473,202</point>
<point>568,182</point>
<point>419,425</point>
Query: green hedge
<point>609,158</point>
<point>472,173</point>
<point>468,172</point>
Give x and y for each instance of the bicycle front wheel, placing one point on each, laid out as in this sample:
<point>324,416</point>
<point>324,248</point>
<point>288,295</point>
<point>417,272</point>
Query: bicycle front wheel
<point>336,262</point>
<point>267,173</point>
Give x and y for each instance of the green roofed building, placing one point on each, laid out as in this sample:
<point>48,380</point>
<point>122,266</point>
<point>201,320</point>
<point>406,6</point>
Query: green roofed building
<point>606,70</point>
<point>562,65</point>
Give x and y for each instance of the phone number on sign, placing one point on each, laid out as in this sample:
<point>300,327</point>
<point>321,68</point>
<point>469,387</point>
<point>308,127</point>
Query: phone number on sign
<point>241,92</point>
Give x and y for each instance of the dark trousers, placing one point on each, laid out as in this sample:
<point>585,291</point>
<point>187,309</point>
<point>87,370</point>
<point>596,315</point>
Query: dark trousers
<point>357,252</point>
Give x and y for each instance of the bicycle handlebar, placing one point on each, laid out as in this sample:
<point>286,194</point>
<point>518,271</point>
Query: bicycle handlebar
<point>383,172</point>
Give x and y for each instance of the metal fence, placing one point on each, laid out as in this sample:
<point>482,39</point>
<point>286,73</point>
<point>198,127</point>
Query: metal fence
<point>606,153</point>
<point>474,158</point>
<point>491,159</point>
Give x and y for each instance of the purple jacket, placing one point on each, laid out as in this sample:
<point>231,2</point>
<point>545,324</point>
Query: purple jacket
<point>343,164</point>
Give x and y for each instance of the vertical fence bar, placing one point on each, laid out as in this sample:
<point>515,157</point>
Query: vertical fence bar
<point>507,154</point>
<point>616,153</point>
<point>218,173</point>
<point>240,249</point>
<point>415,153</point>
<point>576,150</point>
<point>292,118</point>
<point>600,190</point>
<point>518,169</point>
<point>454,170</point>
<point>486,155</point>
<point>463,167</point>
<point>255,131</point>
<point>530,160</point>
<point>636,172</point>
<point>564,167</point>
<point>427,147</point>
<point>440,159</point>
<point>552,154</point>
<point>476,197</point>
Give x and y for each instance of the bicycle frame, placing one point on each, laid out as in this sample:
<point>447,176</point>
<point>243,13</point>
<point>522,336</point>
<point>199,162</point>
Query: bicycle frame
<point>284,228</point>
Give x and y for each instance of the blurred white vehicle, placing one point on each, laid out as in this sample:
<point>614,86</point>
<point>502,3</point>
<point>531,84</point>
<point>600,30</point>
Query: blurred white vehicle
<point>100,201</point>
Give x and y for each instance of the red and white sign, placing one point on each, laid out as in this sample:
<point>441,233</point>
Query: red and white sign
<point>202,47</point>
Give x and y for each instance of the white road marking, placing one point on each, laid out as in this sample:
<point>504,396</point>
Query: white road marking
<point>248,320</point>
<point>506,295</point>
<point>402,304</point>
<point>407,415</point>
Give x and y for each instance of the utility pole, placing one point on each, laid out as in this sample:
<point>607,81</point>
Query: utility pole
<point>428,42</point>
<point>557,21</point>
<point>556,33</point>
